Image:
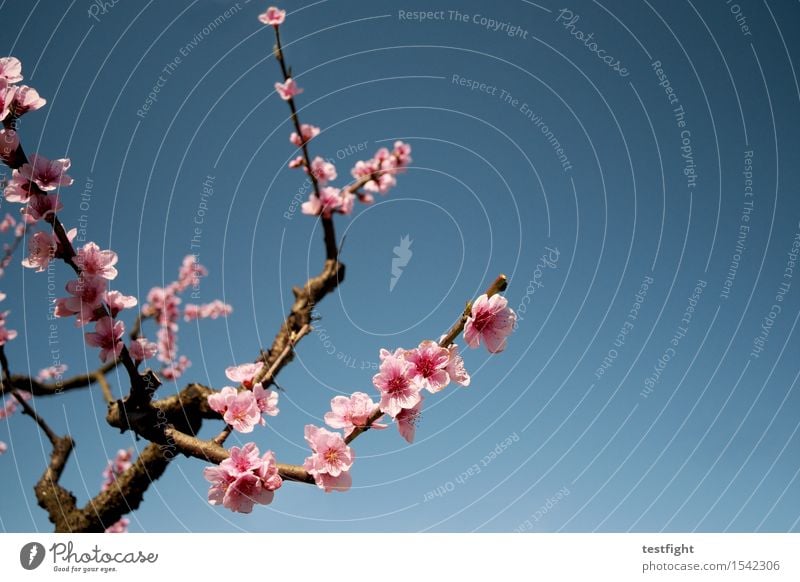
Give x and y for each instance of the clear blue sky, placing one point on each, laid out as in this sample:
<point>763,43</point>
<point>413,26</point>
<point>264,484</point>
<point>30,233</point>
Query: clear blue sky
<point>712,446</point>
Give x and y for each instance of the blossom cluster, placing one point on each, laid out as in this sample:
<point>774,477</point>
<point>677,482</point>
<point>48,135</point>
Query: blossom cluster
<point>244,409</point>
<point>15,101</point>
<point>116,467</point>
<point>243,479</point>
<point>163,305</point>
<point>9,407</point>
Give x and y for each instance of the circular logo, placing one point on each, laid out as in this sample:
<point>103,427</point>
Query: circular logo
<point>31,555</point>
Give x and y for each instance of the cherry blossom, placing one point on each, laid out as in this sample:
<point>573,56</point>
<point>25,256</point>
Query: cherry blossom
<point>141,349</point>
<point>116,302</point>
<point>273,16</point>
<point>288,90</point>
<point>212,310</point>
<point>243,479</point>
<point>244,373</point>
<point>455,367</point>
<point>190,273</point>
<point>429,365</point>
<point>40,207</point>
<point>10,69</point>
<point>120,526</point>
<point>87,295</point>
<point>490,321</point>
<point>238,409</point>
<point>42,247</point>
<point>330,200</point>
<point>323,170</point>
<point>307,133</point>
<point>18,188</point>
<point>331,460</point>
<point>351,413</point>
<point>94,262</point>
<point>6,335</point>
<point>6,98</point>
<point>9,142</point>
<point>266,400</point>
<point>107,336</point>
<point>116,467</point>
<point>297,162</point>
<point>51,373</point>
<point>3,447</point>
<point>46,174</point>
<point>26,99</point>
<point>380,171</point>
<point>394,382</point>
<point>10,403</point>
<point>407,421</point>
<point>176,369</point>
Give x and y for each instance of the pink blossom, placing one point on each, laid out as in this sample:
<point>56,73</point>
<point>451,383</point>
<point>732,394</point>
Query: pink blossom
<point>266,400</point>
<point>8,223</point>
<point>273,16</point>
<point>3,447</point>
<point>394,382</point>
<point>307,133</point>
<point>42,247</point>
<point>116,467</point>
<point>402,154</point>
<point>244,373</point>
<point>87,295</point>
<point>9,142</point>
<point>120,526</point>
<point>407,421</point>
<point>238,409</point>
<point>51,373</point>
<point>6,335</point>
<point>323,170</point>
<point>455,367</point>
<point>297,162</point>
<point>6,98</point>
<point>243,479</point>
<point>330,201</point>
<point>10,403</point>
<point>107,336</point>
<point>26,99</point>
<point>490,321</point>
<point>167,349</point>
<point>190,273</point>
<point>41,206</point>
<point>47,174</point>
<point>211,310</point>
<point>117,302</point>
<point>10,69</point>
<point>288,90</point>
<point>429,365</point>
<point>331,460</point>
<point>95,262</point>
<point>176,369</point>
<point>18,188</point>
<point>141,349</point>
<point>351,413</point>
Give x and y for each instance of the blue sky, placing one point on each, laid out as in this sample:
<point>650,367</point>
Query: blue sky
<point>642,190</point>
